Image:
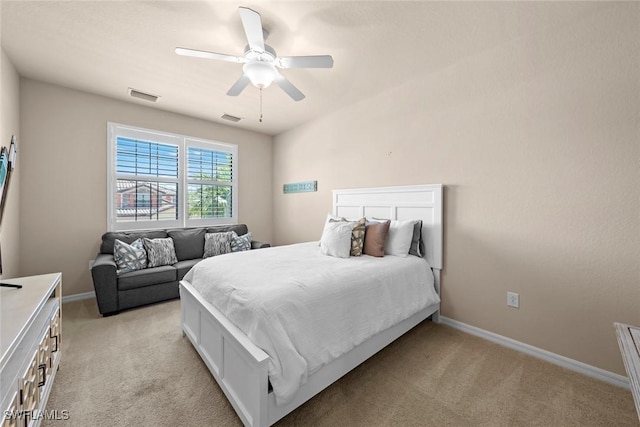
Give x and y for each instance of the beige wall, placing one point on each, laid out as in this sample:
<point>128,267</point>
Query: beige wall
<point>9,125</point>
<point>537,142</point>
<point>63,164</point>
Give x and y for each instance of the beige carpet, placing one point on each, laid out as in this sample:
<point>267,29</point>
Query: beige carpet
<point>137,369</point>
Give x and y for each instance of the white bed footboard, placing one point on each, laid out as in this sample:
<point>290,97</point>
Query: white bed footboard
<point>238,365</point>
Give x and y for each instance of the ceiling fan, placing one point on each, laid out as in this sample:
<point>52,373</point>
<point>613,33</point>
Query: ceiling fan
<point>260,60</point>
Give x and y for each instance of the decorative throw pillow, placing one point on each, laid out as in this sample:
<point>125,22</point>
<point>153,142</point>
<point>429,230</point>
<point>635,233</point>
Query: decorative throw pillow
<point>399,238</point>
<point>336,239</point>
<point>160,251</point>
<point>375,235</point>
<point>129,257</point>
<point>240,243</point>
<point>417,246</point>
<point>357,237</point>
<point>218,243</point>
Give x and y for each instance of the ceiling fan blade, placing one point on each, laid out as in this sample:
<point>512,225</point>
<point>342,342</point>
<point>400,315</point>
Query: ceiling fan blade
<point>252,28</point>
<point>238,86</point>
<point>291,90</point>
<point>208,55</point>
<point>317,61</point>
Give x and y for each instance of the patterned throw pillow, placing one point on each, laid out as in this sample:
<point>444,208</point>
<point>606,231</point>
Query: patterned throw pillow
<point>240,243</point>
<point>218,243</point>
<point>357,237</point>
<point>129,257</point>
<point>160,251</point>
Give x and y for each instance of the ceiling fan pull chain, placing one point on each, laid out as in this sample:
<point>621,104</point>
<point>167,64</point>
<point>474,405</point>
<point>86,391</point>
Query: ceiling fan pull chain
<point>260,105</point>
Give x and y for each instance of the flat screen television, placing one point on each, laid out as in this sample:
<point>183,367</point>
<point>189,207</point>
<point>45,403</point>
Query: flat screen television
<point>7,164</point>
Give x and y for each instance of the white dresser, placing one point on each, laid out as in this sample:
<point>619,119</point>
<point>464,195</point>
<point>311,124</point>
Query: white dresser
<point>629,341</point>
<point>30,331</point>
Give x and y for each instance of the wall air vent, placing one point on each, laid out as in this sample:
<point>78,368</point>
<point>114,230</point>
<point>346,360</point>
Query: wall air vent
<point>141,95</point>
<point>230,118</point>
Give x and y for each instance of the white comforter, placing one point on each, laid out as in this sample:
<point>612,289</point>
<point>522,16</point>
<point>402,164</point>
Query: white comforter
<point>305,309</point>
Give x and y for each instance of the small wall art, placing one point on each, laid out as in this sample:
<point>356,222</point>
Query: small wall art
<point>300,187</point>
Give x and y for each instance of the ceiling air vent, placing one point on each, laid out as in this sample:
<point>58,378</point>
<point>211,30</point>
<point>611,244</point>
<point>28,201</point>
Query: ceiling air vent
<point>231,118</point>
<point>144,96</point>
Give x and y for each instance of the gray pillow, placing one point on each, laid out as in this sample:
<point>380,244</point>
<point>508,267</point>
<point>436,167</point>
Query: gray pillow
<point>417,245</point>
<point>160,251</point>
<point>217,243</point>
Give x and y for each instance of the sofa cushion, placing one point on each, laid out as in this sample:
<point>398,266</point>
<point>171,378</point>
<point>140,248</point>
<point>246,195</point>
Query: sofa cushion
<point>147,277</point>
<point>183,267</point>
<point>128,237</point>
<point>240,229</point>
<point>188,242</point>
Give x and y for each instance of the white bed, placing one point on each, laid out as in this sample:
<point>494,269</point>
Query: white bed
<point>242,368</point>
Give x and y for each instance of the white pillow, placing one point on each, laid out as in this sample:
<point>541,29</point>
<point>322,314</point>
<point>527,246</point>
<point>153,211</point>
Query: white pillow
<point>399,238</point>
<point>328,220</point>
<point>334,218</point>
<point>336,239</point>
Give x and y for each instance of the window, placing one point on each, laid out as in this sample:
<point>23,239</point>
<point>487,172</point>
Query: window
<point>162,180</point>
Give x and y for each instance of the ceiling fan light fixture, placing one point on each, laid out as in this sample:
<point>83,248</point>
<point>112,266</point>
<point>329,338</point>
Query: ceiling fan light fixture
<point>261,73</point>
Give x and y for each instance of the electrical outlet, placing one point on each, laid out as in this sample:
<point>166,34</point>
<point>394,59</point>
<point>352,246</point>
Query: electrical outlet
<point>91,261</point>
<point>513,299</point>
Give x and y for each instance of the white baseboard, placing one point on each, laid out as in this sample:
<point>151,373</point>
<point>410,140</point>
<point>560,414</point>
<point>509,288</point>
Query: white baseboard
<point>78,297</point>
<point>556,359</point>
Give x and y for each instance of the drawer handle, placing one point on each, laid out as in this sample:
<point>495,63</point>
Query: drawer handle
<point>43,366</point>
<point>55,349</point>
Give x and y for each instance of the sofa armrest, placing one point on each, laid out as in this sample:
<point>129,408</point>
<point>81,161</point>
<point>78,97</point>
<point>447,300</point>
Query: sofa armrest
<point>105,283</point>
<point>255,244</point>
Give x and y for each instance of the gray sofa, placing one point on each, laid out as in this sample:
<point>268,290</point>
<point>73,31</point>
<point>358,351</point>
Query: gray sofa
<point>116,292</point>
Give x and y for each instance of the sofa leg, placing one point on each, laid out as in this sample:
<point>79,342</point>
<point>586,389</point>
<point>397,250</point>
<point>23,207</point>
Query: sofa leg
<point>110,314</point>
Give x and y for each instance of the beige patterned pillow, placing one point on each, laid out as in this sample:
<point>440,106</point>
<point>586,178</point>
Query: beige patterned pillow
<point>357,237</point>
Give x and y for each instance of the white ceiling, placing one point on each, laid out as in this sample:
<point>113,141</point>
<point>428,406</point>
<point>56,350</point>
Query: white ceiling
<point>106,47</point>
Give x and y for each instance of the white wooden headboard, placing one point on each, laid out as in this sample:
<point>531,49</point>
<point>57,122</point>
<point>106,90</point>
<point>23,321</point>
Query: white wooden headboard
<point>400,203</point>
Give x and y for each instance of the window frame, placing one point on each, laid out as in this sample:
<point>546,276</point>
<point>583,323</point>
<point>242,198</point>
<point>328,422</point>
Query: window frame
<point>183,142</point>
